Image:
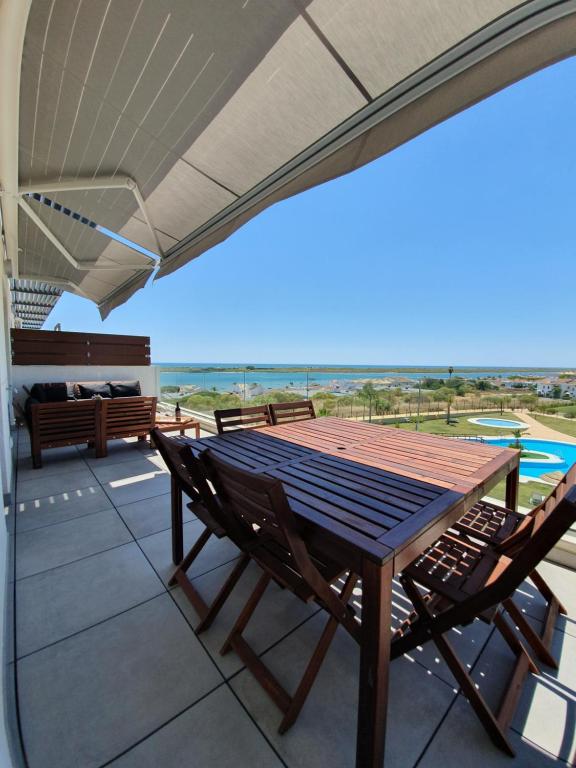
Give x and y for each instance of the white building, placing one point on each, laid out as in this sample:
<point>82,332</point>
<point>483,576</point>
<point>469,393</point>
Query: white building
<point>252,389</point>
<point>568,388</point>
<point>545,388</point>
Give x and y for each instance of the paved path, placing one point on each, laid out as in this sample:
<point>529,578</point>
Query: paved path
<point>540,432</point>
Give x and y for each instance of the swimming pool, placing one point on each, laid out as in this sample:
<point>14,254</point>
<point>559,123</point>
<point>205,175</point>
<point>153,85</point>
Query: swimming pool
<point>504,423</point>
<point>565,453</point>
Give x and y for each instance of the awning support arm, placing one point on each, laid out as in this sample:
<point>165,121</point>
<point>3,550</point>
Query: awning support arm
<point>69,285</point>
<point>103,182</point>
<point>80,266</point>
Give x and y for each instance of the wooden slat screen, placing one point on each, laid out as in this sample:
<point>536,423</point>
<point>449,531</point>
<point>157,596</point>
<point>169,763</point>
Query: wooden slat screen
<point>66,348</point>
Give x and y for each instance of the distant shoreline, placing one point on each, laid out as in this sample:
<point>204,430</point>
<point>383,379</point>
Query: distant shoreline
<point>493,370</point>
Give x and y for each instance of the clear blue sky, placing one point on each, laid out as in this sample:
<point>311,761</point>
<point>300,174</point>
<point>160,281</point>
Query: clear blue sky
<point>458,248</point>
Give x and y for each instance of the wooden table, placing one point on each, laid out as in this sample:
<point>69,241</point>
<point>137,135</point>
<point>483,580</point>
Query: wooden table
<point>373,497</point>
<point>172,425</point>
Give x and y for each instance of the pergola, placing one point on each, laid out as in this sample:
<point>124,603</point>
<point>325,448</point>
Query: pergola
<point>33,301</point>
<point>173,123</point>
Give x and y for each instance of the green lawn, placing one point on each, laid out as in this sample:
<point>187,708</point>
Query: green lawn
<point>560,425</point>
<point>463,427</point>
<point>525,491</point>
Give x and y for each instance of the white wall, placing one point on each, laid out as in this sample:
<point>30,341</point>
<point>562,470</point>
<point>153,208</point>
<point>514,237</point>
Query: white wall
<point>6,471</point>
<point>6,416</point>
<point>147,375</point>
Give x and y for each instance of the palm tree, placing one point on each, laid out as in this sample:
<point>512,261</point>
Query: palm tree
<point>368,394</point>
<point>449,398</point>
<point>449,401</point>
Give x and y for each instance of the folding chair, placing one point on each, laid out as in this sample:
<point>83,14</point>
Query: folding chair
<point>233,419</point>
<point>190,477</point>
<point>505,529</point>
<point>283,413</point>
<point>259,506</point>
<point>465,581</point>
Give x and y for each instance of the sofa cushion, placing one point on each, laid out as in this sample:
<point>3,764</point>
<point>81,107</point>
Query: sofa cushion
<point>125,388</point>
<point>89,389</point>
<point>50,393</point>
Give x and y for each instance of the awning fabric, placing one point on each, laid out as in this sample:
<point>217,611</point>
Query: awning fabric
<point>217,110</point>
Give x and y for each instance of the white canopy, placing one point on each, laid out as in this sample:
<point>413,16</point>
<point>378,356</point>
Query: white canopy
<point>173,122</point>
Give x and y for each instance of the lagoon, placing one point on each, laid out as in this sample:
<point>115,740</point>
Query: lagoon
<point>318,376</point>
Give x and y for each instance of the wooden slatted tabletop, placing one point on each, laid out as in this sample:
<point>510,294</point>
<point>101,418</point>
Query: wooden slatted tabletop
<point>373,497</point>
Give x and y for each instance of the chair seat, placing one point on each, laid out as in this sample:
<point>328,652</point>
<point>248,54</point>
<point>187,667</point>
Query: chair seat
<point>455,568</point>
<point>489,522</point>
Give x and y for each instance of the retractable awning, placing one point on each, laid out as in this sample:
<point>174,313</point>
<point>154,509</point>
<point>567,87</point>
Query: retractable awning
<point>173,123</point>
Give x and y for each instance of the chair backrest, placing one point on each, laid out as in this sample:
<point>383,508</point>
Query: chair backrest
<point>523,554</point>
<point>284,412</point>
<point>233,419</point>
<point>258,504</point>
<point>513,543</point>
<point>128,416</point>
<point>259,507</point>
<point>188,472</point>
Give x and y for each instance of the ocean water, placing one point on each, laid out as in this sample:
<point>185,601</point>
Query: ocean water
<point>225,381</point>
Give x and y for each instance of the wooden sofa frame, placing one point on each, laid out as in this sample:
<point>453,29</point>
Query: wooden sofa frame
<point>94,422</point>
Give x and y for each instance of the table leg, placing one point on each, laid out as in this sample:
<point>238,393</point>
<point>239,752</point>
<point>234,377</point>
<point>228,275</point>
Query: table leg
<point>512,489</point>
<point>197,430</point>
<point>177,524</point>
<point>374,664</point>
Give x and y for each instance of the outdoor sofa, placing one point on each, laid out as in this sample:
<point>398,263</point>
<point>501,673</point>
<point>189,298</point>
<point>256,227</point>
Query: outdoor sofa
<point>72,413</point>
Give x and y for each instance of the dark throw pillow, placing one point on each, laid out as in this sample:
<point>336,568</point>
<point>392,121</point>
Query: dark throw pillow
<point>50,393</point>
<point>125,388</point>
<point>90,388</point>
<point>38,394</point>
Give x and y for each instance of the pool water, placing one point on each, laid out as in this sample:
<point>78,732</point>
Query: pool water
<point>565,452</point>
<point>505,423</point>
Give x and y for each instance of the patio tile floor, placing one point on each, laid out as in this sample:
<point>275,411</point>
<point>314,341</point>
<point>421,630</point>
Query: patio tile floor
<point>110,671</point>
<point>63,601</point>
<point>59,507</point>
<point>149,516</point>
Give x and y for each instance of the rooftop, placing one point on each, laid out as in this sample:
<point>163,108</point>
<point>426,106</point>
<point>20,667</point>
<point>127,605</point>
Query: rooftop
<point>110,672</point>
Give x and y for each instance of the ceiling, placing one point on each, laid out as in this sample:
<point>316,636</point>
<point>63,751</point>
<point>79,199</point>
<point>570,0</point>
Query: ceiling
<point>173,122</point>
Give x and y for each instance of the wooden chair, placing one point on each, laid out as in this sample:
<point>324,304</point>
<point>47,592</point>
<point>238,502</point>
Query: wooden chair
<point>189,476</point>
<point>258,505</point>
<point>233,419</point>
<point>285,412</point>
<point>506,530</point>
<point>465,581</point>
<point>126,417</point>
